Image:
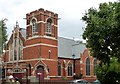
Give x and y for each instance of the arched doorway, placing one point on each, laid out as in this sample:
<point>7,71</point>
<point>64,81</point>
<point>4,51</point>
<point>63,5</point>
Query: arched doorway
<point>40,69</point>
<point>18,72</point>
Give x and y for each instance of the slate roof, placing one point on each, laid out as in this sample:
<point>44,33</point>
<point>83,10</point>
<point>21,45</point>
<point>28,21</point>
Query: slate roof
<point>68,47</point>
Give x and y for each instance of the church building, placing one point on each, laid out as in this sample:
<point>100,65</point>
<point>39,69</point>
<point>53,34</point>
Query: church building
<point>37,52</point>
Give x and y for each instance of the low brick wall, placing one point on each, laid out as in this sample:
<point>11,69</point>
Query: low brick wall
<point>44,82</point>
<point>52,82</point>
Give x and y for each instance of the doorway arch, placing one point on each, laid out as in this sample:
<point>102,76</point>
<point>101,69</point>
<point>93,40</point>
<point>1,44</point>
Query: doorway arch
<point>40,69</point>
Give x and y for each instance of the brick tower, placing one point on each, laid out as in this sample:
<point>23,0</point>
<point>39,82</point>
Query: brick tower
<point>41,46</point>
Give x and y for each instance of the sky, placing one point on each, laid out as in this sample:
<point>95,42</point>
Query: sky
<point>70,11</point>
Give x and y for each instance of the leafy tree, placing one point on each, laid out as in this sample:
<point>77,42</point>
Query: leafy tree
<point>102,35</point>
<point>111,74</point>
<point>102,32</point>
<point>3,34</point>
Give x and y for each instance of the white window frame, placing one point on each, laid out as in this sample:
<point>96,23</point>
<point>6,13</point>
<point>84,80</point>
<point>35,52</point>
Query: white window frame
<point>49,26</point>
<point>34,26</point>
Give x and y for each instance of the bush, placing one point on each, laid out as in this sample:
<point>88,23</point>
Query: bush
<point>111,77</point>
<point>64,78</point>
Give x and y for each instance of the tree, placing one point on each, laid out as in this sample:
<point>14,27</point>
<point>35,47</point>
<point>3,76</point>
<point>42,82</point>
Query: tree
<point>102,33</point>
<point>3,34</point>
<point>109,75</point>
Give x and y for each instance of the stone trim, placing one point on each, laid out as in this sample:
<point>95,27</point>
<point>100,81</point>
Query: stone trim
<point>37,36</point>
<point>38,44</point>
<point>33,60</point>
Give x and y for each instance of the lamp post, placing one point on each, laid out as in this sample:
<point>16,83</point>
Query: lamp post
<point>27,73</point>
<point>29,65</point>
<point>74,65</point>
<point>39,76</point>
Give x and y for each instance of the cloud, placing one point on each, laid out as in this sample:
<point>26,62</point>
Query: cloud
<point>70,12</point>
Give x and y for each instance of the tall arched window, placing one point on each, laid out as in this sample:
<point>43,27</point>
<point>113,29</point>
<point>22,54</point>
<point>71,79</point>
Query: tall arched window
<point>11,52</point>
<point>34,28</point>
<point>15,54</point>
<point>95,64</point>
<point>69,69</point>
<point>20,49</point>
<point>49,26</point>
<point>59,69</point>
<point>87,66</point>
<point>15,48</point>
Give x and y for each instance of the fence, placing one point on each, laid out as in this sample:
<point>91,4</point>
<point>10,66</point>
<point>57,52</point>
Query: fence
<point>42,82</point>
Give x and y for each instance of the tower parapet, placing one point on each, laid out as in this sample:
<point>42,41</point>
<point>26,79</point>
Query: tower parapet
<point>42,22</point>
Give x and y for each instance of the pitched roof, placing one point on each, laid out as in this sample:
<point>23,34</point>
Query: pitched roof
<point>68,47</point>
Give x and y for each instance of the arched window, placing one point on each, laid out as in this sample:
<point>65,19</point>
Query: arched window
<point>49,26</point>
<point>15,48</point>
<point>69,69</point>
<point>15,54</point>
<point>20,49</point>
<point>95,64</point>
<point>87,66</point>
<point>59,69</point>
<point>11,52</point>
<point>34,28</point>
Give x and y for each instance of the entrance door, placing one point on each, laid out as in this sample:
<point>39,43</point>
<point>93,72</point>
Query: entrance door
<point>40,72</point>
<point>18,75</point>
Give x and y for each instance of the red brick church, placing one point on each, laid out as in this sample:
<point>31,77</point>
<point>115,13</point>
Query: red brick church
<point>37,51</point>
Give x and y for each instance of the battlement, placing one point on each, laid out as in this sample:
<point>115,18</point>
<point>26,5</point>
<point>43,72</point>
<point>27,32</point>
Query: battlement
<point>41,17</point>
<point>42,12</point>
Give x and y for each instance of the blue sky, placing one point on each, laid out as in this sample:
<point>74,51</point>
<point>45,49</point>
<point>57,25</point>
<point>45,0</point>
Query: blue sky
<point>70,12</point>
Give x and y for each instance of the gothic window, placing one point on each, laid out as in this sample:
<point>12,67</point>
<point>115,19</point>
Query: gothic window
<point>15,55</point>
<point>88,66</point>
<point>49,26</point>
<point>59,69</point>
<point>95,64</point>
<point>69,69</point>
<point>15,48</point>
<point>20,49</point>
<point>34,27</point>
<point>11,52</point>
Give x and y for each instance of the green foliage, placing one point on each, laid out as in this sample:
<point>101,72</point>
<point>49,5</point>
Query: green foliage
<point>3,33</point>
<point>109,74</point>
<point>102,33</point>
<point>64,78</point>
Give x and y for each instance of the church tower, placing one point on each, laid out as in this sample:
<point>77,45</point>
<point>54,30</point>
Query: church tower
<point>42,23</point>
<point>41,47</point>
